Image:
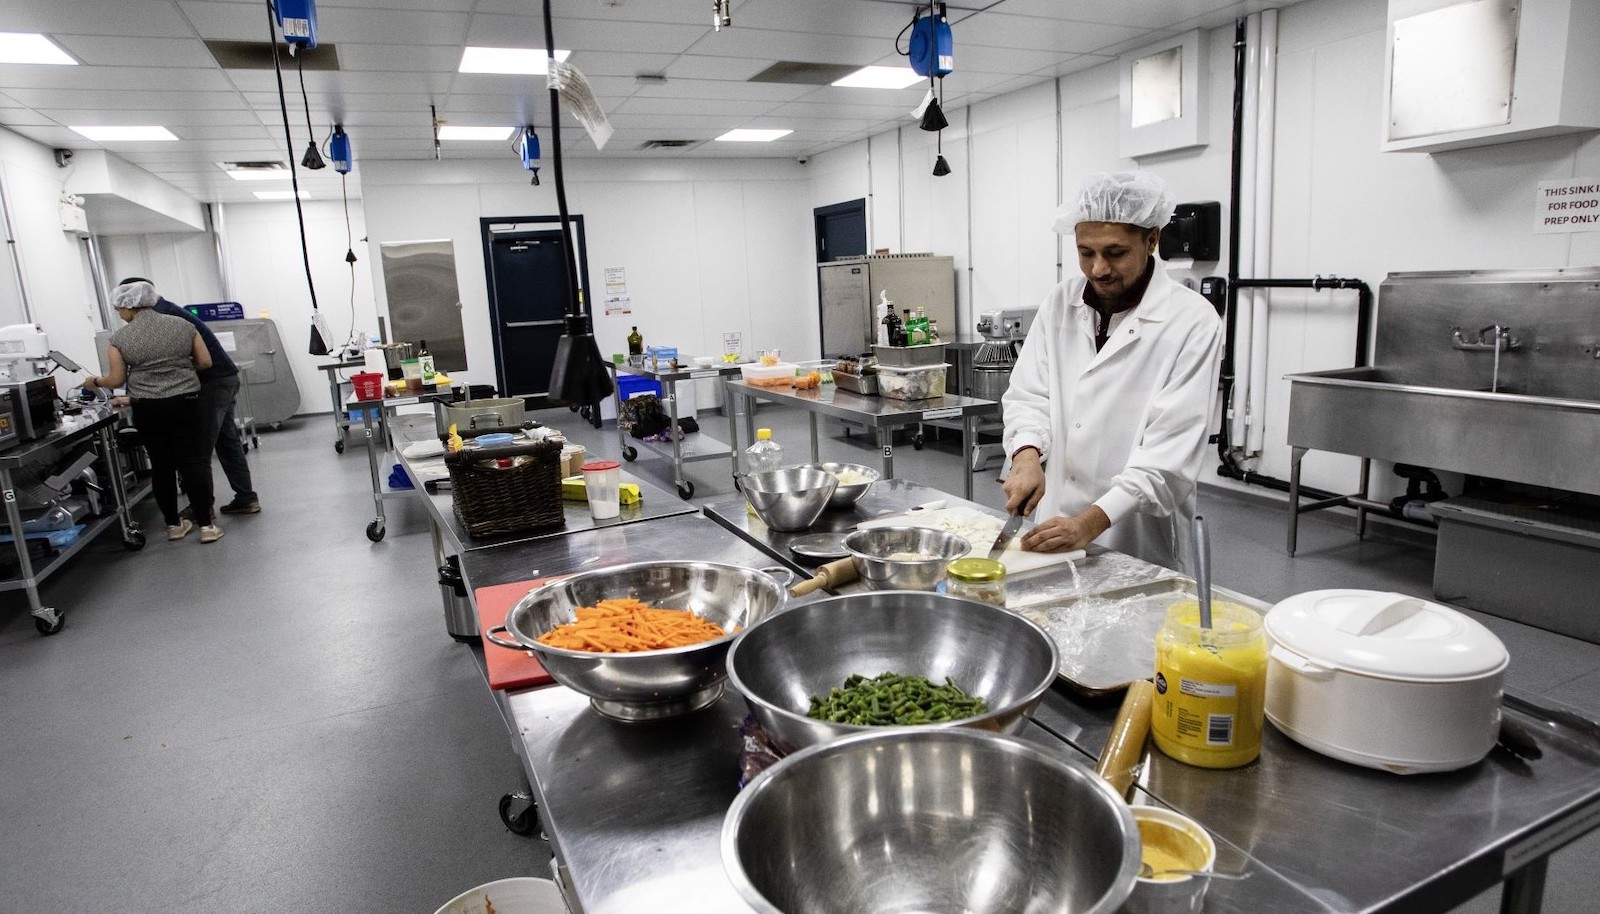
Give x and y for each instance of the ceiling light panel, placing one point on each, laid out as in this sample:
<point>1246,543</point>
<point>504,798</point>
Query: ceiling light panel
<point>753,135</point>
<point>30,47</point>
<point>478,134</point>
<point>142,134</point>
<point>880,78</point>
<point>512,61</point>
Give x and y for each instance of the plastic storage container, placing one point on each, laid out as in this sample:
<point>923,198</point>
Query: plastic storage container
<point>920,356</point>
<point>911,383</point>
<point>1211,685</point>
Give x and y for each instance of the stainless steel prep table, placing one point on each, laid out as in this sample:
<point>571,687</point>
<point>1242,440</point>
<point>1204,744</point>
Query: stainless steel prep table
<point>336,393</point>
<point>881,414</point>
<point>700,447</point>
<point>52,445</point>
<point>379,441</point>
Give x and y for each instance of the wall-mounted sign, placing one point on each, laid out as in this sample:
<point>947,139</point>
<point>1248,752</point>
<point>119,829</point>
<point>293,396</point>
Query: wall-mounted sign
<point>1572,205</point>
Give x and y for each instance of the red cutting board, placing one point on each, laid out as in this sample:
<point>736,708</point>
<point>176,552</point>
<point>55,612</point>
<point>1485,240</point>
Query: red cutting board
<point>508,669</point>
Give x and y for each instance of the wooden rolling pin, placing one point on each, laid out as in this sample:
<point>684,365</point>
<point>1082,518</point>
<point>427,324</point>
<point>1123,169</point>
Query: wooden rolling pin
<point>831,575</point>
<point>1119,760</point>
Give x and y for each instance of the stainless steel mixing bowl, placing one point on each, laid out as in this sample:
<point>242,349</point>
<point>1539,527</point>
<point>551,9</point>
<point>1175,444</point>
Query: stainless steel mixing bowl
<point>871,550</point>
<point>930,821</point>
<point>647,685</point>
<point>993,654</point>
<point>791,498</point>
<point>845,496</point>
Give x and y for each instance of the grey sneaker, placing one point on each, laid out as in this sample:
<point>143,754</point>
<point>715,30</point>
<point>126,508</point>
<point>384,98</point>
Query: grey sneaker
<point>210,533</point>
<point>180,530</point>
<point>242,504</point>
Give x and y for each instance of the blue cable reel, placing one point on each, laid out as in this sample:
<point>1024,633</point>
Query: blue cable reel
<point>932,48</point>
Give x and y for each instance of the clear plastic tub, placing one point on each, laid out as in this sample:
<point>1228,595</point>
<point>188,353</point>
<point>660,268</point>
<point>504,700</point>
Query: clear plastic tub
<point>911,383</point>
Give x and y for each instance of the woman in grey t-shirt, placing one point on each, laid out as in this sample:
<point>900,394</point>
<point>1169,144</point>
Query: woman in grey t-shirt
<point>157,356</point>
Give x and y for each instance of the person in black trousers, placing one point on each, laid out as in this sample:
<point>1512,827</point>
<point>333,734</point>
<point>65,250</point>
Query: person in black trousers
<point>219,385</point>
<point>157,356</point>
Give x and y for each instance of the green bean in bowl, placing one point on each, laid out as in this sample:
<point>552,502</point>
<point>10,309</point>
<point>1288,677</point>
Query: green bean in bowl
<point>893,700</point>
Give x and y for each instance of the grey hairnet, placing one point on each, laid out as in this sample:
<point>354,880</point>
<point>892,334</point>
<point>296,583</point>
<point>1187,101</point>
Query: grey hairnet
<point>133,295</point>
<point>1131,197</point>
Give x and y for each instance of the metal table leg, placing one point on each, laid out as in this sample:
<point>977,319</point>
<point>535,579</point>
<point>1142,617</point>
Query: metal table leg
<point>1361,511</point>
<point>341,420</point>
<point>628,452</point>
<point>730,405</point>
<point>1296,455</point>
<point>749,418</point>
<point>132,537</point>
<point>886,450</point>
<point>48,621</point>
<point>685,487</point>
<point>969,436</point>
<point>375,529</point>
<point>1523,893</point>
<point>816,453</point>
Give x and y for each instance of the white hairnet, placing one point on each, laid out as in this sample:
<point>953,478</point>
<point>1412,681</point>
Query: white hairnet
<point>133,295</point>
<point>1131,197</point>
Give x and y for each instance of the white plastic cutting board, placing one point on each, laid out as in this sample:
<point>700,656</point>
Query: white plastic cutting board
<point>973,524</point>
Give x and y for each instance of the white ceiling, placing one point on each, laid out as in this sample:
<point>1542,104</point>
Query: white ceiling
<point>142,62</point>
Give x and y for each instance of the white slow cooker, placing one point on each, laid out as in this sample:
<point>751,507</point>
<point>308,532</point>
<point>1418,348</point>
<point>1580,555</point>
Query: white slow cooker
<point>1384,680</point>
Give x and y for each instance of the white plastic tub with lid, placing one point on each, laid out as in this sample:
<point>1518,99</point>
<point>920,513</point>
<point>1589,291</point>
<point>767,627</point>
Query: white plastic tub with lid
<point>1384,680</point>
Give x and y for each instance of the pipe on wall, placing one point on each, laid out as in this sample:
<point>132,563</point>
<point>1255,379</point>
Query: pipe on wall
<point>97,276</point>
<point>1261,227</point>
<point>215,219</point>
<point>1061,190</point>
<point>1244,329</point>
<point>16,255</point>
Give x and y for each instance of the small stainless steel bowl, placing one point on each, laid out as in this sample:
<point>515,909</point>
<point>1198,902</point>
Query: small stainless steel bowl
<point>871,550</point>
<point>845,496</point>
<point>791,498</point>
<point>990,652</point>
<point>930,820</point>
<point>647,685</point>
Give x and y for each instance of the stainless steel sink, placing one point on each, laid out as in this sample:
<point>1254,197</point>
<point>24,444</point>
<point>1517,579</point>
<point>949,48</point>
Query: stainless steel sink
<point>1546,441</point>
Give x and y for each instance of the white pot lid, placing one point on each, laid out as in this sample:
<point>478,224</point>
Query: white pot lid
<point>1389,635</point>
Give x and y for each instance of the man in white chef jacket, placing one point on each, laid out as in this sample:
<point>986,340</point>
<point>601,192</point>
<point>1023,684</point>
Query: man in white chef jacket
<point>1110,402</point>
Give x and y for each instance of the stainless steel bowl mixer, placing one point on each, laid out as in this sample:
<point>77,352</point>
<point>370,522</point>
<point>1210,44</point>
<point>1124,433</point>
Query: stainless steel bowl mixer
<point>873,552</point>
<point>647,685</point>
<point>846,496</point>
<point>791,498</point>
<point>930,820</point>
<point>991,653</point>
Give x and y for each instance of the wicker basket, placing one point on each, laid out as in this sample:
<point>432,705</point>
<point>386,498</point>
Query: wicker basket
<point>494,500</point>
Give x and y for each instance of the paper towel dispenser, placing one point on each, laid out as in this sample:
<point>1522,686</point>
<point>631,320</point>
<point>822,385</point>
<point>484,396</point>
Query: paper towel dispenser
<point>1195,232</point>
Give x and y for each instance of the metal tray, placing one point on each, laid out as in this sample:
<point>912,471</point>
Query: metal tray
<point>1107,639</point>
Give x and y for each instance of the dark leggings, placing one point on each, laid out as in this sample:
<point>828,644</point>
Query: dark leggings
<point>173,432</point>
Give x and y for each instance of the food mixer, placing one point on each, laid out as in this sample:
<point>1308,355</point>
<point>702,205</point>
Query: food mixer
<point>1003,331</point>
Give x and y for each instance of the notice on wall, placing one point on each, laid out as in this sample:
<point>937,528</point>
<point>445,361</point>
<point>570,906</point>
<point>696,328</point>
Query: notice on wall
<point>1572,205</point>
<point>616,280</point>
<point>733,344</point>
<point>619,304</point>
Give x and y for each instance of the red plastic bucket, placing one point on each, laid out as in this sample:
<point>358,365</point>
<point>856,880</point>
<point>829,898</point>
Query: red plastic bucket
<point>368,385</point>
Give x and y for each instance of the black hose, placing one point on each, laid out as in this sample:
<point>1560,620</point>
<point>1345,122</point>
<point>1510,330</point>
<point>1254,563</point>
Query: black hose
<point>1231,311</point>
<point>574,308</point>
<point>288,137</point>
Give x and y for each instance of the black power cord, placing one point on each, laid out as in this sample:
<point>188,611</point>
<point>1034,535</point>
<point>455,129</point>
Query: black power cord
<point>294,178</point>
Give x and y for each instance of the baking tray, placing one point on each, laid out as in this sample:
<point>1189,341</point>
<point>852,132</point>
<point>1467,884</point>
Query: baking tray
<point>1107,639</point>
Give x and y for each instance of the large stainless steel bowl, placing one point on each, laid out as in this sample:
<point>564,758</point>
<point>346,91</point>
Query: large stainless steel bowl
<point>791,498</point>
<point>845,496</point>
<point>933,820</point>
<point>871,552</point>
<point>647,685</point>
<point>996,655</point>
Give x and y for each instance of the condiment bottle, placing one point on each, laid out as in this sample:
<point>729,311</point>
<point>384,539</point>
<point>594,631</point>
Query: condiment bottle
<point>1211,686</point>
<point>978,579</point>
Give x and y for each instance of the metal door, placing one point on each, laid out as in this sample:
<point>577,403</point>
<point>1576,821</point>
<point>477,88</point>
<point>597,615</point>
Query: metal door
<point>528,293</point>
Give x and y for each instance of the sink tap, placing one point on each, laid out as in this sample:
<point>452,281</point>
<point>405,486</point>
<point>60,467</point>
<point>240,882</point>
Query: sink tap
<point>1493,338</point>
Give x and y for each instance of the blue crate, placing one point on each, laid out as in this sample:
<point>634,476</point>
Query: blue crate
<point>630,386</point>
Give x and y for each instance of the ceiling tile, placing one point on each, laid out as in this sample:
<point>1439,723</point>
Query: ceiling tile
<point>232,21</point>
<point>881,21</point>
<point>775,45</point>
<point>173,118</point>
<point>141,18</point>
<point>422,85</point>
<point>661,105</point>
<point>390,26</point>
<point>999,30</point>
<point>585,36</point>
<point>716,89</point>
<point>103,50</point>
<point>110,78</point>
<point>695,66</point>
<point>438,58</point>
<point>1144,14</point>
<point>129,100</point>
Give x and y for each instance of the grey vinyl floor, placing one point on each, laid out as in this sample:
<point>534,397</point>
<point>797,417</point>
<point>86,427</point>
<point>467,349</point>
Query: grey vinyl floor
<point>278,722</point>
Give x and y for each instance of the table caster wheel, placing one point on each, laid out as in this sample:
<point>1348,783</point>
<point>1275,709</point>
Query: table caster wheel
<point>917,442</point>
<point>572,409</point>
<point>133,542</point>
<point>520,814</point>
<point>847,431</point>
<point>50,621</point>
<point>375,531</point>
<point>338,447</point>
<point>255,443</point>
<point>686,490</point>
<point>630,454</point>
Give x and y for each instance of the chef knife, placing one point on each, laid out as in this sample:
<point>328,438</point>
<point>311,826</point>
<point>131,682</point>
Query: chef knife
<point>1007,534</point>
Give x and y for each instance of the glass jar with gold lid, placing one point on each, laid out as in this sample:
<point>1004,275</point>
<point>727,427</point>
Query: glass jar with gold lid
<point>977,579</point>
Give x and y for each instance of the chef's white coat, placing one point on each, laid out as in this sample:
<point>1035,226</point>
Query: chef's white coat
<point>1124,428</point>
